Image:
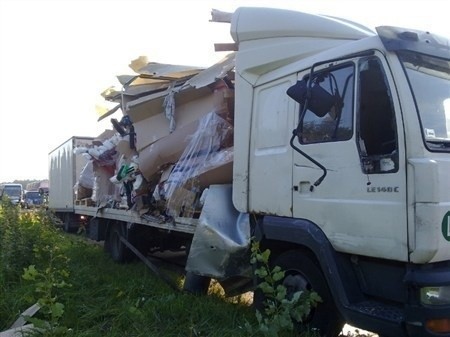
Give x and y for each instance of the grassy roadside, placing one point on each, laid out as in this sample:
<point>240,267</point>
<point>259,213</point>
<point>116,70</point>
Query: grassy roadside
<point>85,293</point>
<point>98,296</point>
<point>128,300</point>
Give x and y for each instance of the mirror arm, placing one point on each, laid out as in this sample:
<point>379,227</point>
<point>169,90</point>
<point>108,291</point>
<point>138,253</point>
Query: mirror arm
<point>324,169</point>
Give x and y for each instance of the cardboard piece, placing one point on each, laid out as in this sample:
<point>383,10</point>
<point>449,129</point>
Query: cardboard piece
<point>165,151</point>
<point>158,147</point>
<point>182,202</point>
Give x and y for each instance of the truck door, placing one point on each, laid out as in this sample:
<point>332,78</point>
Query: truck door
<point>356,134</point>
<point>270,163</point>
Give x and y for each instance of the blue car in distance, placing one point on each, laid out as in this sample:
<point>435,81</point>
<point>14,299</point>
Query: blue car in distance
<point>32,199</point>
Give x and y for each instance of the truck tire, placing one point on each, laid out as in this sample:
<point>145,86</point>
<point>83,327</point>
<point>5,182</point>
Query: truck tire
<point>115,247</point>
<point>69,224</point>
<point>196,284</point>
<point>302,273</point>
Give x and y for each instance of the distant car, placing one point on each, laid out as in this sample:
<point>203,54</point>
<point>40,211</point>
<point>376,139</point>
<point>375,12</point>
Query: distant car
<point>32,199</point>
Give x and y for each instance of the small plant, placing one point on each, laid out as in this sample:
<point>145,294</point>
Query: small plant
<point>280,310</point>
<point>47,283</point>
<point>16,242</point>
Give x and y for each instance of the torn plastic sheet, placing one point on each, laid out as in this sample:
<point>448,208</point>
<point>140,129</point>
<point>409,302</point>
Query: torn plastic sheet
<point>103,190</point>
<point>169,108</point>
<point>86,178</point>
<point>93,181</point>
<point>85,184</point>
<point>221,244</point>
<point>102,150</point>
<point>204,152</point>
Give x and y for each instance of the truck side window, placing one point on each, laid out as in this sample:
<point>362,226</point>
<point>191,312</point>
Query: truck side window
<point>336,124</point>
<point>377,136</point>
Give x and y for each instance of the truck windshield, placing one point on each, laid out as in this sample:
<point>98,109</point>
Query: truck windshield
<point>429,78</point>
<point>12,191</point>
<point>33,196</point>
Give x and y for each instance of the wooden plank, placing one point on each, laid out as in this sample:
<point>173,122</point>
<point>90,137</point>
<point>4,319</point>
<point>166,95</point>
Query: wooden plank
<point>85,202</point>
<point>225,46</point>
<point>220,16</point>
<point>17,332</point>
<point>29,312</point>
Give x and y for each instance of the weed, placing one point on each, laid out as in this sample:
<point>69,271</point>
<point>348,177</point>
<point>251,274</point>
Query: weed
<point>280,311</point>
<point>47,283</point>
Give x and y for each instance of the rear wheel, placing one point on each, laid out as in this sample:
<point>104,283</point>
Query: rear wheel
<point>302,273</point>
<point>115,247</point>
<point>70,225</point>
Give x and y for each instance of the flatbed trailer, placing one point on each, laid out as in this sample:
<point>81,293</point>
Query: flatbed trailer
<point>179,224</point>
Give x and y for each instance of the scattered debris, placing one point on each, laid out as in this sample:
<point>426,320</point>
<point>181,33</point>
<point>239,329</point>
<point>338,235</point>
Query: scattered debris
<point>19,327</point>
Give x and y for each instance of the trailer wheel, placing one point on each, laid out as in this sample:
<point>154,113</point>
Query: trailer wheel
<point>69,225</point>
<point>115,247</point>
<point>302,273</point>
<point>196,284</point>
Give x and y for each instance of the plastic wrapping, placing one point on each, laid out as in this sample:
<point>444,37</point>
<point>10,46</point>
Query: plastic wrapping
<point>85,184</point>
<point>87,176</point>
<point>156,143</point>
<point>105,153</point>
<point>103,190</point>
<point>169,108</point>
<point>209,148</point>
<point>93,181</point>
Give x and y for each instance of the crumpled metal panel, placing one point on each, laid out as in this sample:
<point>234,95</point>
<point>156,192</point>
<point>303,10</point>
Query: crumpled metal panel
<point>221,244</point>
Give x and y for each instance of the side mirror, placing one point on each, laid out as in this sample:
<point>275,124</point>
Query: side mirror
<point>298,92</point>
<point>317,99</point>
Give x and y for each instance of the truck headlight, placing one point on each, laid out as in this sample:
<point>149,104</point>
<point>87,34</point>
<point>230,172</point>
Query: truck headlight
<point>435,295</point>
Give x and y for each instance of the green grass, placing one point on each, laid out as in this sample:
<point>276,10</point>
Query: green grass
<point>128,300</point>
<point>99,296</point>
<point>105,298</point>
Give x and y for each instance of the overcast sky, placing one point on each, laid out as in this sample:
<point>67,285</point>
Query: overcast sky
<point>57,56</point>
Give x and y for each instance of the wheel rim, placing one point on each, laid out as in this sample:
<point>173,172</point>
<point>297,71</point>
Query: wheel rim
<point>295,281</point>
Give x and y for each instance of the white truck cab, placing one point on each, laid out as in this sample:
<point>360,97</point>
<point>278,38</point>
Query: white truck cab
<point>342,153</point>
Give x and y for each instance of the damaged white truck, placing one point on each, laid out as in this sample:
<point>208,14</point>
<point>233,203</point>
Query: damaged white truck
<point>327,142</point>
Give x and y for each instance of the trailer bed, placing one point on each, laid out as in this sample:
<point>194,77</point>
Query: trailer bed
<point>178,224</point>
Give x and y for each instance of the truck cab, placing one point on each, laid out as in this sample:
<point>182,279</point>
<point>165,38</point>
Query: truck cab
<point>342,140</point>
<point>12,191</point>
<point>32,199</point>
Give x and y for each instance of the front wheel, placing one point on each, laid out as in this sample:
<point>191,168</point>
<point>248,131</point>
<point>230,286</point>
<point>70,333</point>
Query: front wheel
<point>196,284</point>
<point>303,274</point>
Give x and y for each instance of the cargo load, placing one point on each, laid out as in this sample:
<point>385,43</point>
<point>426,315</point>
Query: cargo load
<point>175,138</point>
